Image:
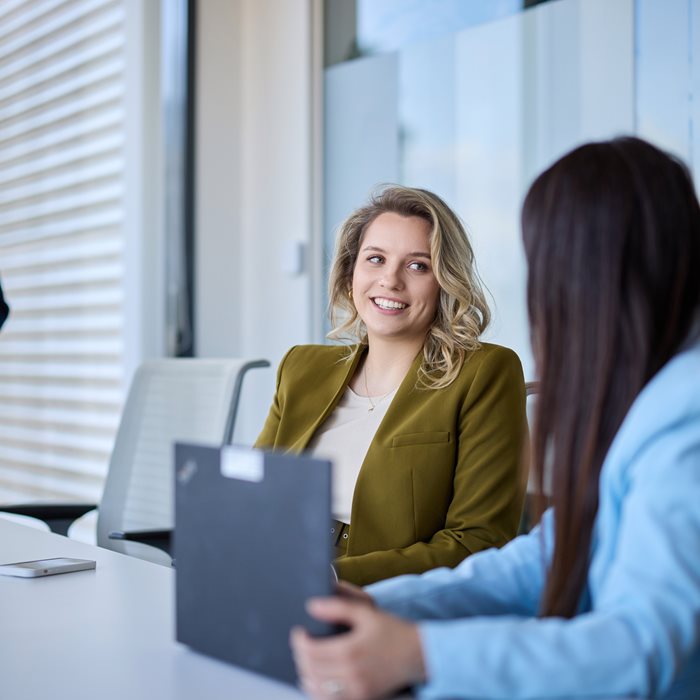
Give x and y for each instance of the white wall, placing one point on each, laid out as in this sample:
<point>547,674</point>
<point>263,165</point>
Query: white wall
<point>144,261</point>
<point>257,114</point>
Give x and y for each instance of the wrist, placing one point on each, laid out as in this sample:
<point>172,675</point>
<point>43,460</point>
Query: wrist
<point>416,670</point>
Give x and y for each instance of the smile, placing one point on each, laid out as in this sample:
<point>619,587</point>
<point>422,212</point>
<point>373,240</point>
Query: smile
<point>388,304</point>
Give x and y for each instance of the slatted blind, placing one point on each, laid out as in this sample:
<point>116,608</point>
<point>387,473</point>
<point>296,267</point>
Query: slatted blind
<point>62,73</point>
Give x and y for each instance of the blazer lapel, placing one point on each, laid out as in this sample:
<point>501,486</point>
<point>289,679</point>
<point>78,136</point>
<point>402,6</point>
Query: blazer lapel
<point>405,396</point>
<point>336,385</point>
<point>399,409</point>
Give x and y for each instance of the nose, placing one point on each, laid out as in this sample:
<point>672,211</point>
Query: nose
<point>391,277</point>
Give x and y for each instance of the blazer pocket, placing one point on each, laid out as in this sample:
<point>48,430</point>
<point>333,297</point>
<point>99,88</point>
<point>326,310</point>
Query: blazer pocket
<point>420,439</point>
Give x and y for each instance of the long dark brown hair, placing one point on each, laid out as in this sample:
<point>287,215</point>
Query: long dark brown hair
<point>612,239</point>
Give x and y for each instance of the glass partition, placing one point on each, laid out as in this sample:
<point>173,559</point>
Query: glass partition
<point>473,109</point>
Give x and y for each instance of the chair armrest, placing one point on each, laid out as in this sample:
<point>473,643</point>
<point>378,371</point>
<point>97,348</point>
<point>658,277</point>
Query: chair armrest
<point>530,517</point>
<point>154,538</point>
<point>58,516</point>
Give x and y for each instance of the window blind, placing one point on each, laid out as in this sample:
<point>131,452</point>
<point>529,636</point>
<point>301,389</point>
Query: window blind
<point>62,122</point>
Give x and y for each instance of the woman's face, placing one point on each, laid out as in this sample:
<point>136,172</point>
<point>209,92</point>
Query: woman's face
<point>393,285</point>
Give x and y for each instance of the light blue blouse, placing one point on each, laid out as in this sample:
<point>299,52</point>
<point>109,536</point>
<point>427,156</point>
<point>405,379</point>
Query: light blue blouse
<point>639,634</point>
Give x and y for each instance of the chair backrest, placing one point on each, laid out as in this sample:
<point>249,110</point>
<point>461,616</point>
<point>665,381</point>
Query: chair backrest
<point>528,518</point>
<point>192,400</point>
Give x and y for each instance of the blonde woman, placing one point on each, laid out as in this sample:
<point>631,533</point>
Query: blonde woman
<point>423,423</point>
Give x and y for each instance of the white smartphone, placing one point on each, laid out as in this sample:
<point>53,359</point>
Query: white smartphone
<point>46,567</point>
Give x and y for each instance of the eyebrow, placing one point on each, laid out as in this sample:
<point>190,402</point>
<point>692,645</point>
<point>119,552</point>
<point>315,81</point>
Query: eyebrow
<point>414,254</point>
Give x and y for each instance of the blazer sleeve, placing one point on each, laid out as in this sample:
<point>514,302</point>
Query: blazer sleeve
<point>488,483</point>
<point>268,436</point>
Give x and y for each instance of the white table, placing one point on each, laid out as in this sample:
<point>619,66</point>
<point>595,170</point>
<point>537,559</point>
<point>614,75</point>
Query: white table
<point>106,634</point>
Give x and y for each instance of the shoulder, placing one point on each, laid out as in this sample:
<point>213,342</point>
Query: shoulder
<point>677,385</point>
<point>491,377</point>
<point>494,355</point>
<point>314,360</point>
<point>671,397</point>
<point>665,417</point>
<point>318,353</point>
<point>490,362</point>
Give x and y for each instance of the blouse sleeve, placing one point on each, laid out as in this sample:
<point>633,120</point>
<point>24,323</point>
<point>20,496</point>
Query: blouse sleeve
<point>644,623</point>
<point>488,482</point>
<point>508,581</point>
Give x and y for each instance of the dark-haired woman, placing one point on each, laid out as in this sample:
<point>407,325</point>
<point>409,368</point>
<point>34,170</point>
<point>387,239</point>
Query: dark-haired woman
<point>603,597</point>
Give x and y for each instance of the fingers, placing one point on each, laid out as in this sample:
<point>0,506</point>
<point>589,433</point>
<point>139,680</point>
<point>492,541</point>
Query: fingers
<point>314,667</point>
<point>348,590</point>
<point>310,651</point>
<point>309,687</point>
<point>346,611</point>
<point>333,667</point>
<point>298,639</point>
<point>343,588</point>
<point>377,655</point>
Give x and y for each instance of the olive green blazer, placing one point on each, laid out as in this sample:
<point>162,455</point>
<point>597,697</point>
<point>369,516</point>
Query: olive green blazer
<point>441,479</point>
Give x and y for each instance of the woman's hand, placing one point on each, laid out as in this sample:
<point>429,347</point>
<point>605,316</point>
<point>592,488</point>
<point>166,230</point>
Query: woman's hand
<point>377,656</point>
<point>351,591</point>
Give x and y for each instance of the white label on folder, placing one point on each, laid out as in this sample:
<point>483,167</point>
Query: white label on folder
<point>241,463</point>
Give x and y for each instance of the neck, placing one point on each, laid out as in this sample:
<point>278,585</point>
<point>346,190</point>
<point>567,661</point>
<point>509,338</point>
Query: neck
<point>386,364</point>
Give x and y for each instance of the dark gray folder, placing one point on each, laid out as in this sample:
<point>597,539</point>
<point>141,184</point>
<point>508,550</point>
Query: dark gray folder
<point>251,544</point>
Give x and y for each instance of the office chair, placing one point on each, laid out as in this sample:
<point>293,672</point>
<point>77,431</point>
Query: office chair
<point>190,400</point>
<point>528,518</point>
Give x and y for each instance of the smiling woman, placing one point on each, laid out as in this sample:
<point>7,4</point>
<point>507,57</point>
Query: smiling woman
<point>393,285</point>
<point>423,423</point>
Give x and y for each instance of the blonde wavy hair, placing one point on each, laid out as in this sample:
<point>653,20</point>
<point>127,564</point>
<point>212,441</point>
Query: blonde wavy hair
<point>462,312</point>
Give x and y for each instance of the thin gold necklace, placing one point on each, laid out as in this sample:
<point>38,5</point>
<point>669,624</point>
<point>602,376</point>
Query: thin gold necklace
<point>372,405</point>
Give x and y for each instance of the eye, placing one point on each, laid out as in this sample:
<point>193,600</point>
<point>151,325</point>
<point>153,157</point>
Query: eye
<point>376,259</point>
<point>418,266</point>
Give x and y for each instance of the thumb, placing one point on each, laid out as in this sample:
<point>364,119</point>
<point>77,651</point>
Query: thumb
<point>344,611</point>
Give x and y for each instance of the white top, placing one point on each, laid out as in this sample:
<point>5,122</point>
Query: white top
<point>344,439</point>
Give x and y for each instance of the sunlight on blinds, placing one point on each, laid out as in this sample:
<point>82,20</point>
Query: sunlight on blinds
<point>61,244</point>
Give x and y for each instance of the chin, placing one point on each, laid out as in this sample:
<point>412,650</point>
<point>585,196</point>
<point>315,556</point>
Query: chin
<point>395,334</point>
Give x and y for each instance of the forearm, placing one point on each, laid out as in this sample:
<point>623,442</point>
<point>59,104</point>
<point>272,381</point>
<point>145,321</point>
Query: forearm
<point>644,625</point>
<point>511,657</point>
<point>365,569</point>
<point>494,582</point>
<point>491,525</point>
